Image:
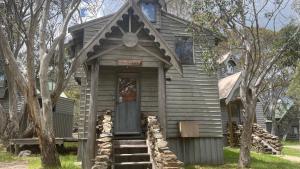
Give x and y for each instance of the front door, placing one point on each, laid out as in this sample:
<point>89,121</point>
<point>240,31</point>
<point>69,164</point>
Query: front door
<point>127,115</point>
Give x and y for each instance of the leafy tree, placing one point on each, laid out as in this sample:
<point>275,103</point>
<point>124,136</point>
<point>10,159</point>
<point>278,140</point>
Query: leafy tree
<point>243,21</point>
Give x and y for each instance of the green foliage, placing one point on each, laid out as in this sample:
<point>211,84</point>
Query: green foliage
<point>292,54</point>
<point>259,161</point>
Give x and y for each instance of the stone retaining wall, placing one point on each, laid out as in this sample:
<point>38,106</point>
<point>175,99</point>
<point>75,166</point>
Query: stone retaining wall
<point>103,158</point>
<point>162,156</point>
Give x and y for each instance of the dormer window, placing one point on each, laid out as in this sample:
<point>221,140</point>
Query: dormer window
<point>149,10</point>
<point>2,79</point>
<point>230,67</point>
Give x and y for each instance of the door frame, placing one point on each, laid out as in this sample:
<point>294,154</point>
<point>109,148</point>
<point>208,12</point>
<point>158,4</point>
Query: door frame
<point>138,100</point>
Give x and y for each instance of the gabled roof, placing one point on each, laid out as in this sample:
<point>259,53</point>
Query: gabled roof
<point>228,86</point>
<point>131,4</point>
<point>226,57</point>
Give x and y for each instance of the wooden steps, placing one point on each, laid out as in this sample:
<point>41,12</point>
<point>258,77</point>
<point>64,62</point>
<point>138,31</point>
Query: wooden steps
<point>131,154</point>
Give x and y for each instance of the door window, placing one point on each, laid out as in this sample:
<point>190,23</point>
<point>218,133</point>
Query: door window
<point>127,89</point>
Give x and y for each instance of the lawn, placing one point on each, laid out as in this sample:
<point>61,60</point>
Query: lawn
<point>259,161</point>
<point>66,160</point>
<point>291,148</point>
<point>34,161</point>
<point>291,143</point>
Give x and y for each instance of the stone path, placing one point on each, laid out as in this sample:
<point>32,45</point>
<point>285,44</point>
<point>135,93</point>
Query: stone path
<point>14,165</point>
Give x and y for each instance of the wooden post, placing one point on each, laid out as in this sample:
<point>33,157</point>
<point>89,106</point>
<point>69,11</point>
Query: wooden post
<point>162,98</point>
<point>230,124</point>
<point>91,142</point>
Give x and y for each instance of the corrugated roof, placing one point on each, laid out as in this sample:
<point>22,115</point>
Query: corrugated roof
<point>228,84</point>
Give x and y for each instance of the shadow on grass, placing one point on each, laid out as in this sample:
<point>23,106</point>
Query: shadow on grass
<point>259,161</point>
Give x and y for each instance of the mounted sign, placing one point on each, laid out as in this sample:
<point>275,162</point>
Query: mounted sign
<point>130,62</point>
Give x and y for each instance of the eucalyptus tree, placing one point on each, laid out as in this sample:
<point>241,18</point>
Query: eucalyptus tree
<point>36,32</point>
<point>244,20</point>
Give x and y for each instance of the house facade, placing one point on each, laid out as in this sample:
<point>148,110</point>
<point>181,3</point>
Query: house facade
<point>142,61</point>
<point>229,75</point>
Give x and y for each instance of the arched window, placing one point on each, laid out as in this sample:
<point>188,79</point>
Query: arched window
<point>230,67</point>
<point>149,10</point>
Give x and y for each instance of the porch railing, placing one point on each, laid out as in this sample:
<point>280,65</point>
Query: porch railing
<point>103,158</point>
<point>162,157</point>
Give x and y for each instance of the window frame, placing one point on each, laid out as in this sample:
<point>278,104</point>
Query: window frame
<point>193,48</point>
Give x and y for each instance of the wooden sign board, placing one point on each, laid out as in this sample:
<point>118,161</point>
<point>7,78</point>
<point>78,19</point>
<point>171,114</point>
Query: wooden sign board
<point>130,62</point>
<point>189,129</point>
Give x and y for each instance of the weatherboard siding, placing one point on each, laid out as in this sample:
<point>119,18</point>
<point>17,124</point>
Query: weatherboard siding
<point>260,118</point>
<point>194,95</point>
<point>198,150</point>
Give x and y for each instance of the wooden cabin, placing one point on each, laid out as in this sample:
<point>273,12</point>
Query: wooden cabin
<point>287,116</point>
<point>63,110</point>
<point>142,61</point>
<point>229,75</point>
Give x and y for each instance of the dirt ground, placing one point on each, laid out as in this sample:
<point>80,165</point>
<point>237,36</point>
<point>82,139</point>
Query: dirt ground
<point>294,147</point>
<point>291,158</point>
<point>14,165</point>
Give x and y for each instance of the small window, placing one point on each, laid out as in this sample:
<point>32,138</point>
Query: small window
<point>230,67</point>
<point>295,130</point>
<point>2,79</point>
<point>184,50</point>
<point>149,10</point>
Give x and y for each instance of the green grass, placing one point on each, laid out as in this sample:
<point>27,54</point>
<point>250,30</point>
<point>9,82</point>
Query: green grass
<point>291,143</point>
<point>67,162</point>
<point>259,161</point>
<point>34,161</point>
<point>7,157</point>
<point>291,151</point>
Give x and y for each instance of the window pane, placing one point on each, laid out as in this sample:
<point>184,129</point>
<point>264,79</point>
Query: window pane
<point>149,11</point>
<point>184,50</point>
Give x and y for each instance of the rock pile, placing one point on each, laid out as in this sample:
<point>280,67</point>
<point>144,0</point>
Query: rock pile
<point>162,156</point>
<point>262,141</point>
<point>103,159</point>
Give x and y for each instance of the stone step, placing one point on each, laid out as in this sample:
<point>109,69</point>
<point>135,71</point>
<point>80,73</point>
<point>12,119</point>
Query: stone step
<point>130,149</point>
<point>133,165</point>
<point>129,142</point>
<point>138,157</point>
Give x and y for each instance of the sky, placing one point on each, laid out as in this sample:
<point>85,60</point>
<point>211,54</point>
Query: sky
<point>286,15</point>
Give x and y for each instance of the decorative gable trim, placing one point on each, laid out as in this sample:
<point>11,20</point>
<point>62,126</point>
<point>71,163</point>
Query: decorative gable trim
<point>95,41</point>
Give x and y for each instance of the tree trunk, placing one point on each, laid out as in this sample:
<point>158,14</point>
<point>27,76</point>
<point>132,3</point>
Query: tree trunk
<point>49,154</point>
<point>272,107</point>
<point>274,126</point>
<point>14,117</point>
<point>246,139</point>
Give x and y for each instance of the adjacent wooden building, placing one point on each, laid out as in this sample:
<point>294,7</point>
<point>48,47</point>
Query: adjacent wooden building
<point>63,110</point>
<point>143,61</point>
<point>229,75</point>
